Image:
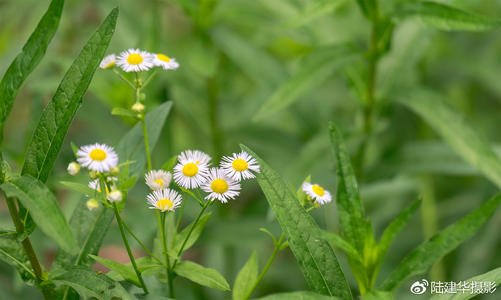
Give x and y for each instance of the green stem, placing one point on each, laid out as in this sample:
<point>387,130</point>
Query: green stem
<point>28,248</point>
<point>148,79</point>
<point>139,242</point>
<point>123,78</point>
<point>146,145</point>
<point>129,252</point>
<point>207,203</point>
<point>272,257</point>
<point>168,269</point>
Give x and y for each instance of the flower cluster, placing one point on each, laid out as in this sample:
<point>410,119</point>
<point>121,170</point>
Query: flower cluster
<point>193,170</point>
<point>102,162</point>
<point>137,60</point>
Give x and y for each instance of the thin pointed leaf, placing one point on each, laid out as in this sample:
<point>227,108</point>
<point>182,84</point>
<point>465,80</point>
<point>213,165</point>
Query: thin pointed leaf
<point>246,278</point>
<point>26,61</point>
<point>195,234</point>
<point>202,275</point>
<point>338,242</point>
<point>125,271</point>
<point>316,258</point>
<point>354,225</point>
<point>456,132</point>
<point>57,116</point>
<point>44,209</point>
<point>445,17</point>
<point>425,255</point>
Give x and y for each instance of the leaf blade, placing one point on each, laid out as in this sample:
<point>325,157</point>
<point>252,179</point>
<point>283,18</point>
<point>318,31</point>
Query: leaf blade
<point>246,278</point>
<point>202,275</point>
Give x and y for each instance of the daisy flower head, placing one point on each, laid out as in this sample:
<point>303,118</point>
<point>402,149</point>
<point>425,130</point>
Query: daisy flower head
<point>220,186</point>
<point>157,179</point>
<point>97,157</point>
<point>164,200</point>
<point>240,166</point>
<point>135,60</point>
<point>192,168</point>
<point>165,62</point>
<point>108,62</point>
<point>317,193</point>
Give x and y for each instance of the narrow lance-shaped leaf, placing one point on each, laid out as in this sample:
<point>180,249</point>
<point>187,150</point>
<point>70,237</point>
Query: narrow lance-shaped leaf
<point>455,131</point>
<point>26,61</point>
<point>354,226</point>
<point>44,209</point>
<point>425,255</point>
<point>246,278</point>
<point>57,116</point>
<point>125,271</point>
<point>493,277</point>
<point>445,17</point>
<point>202,275</point>
<point>90,284</point>
<point>316,258</point>
<point>314,71</point>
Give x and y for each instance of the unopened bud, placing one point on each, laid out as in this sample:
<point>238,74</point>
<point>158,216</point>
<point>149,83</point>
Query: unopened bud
<point>115,170</point>
<point>73,168</point>
<point>138,107</point>
<point>92,204</point>
<point>93,174</point>
<point>114,196</point>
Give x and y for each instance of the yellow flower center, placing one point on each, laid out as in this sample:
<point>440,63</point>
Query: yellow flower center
<point>240,165</point>
<point>318,190</point>
<point>97,154</point>
<point>219,186</point>
<point>135,58</point>
<point>190,169</point>
<point>163,57</point>
<point>159,181</point>
<point>165,204</point>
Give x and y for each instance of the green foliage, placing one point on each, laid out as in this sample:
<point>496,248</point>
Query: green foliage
<point>44,209</point>
<point>26,61</point>
<point>445,17</point>
<point>316,259</point>
<point>298,296</point>
<point>422,258</point>
<point>195,234</point>
<point>246,278</point>
<point>201,275</point>
<point>123,270</point>
<point>57,116</point>
<point>471,146</point>
<point>90,284</point>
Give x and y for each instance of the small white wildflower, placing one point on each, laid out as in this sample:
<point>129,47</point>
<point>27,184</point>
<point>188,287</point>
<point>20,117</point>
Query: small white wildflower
<point>164,200</point>
<point>157,179</point>
<point>108,62</point>
<point>97,157</point>
<point>240,166</point>
<point>92,204</point>
<point>220,186</point>
<point>167,63</point>
<point>192,168</point>
<point>135,60</point>
<point>114,196</point>
<point>317,193</point>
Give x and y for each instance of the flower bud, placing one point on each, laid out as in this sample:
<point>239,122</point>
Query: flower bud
<point>138,107</point>
<point>114,196</point>
<point>92,204</point>
<point>73,168</point>
<point>115,171</point>
<point>93,174</point>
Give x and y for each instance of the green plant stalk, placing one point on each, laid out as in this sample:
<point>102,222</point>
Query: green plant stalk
<point>168,268</point>
<point>212,97</point>
<point>207,203</point>
<point>139,242</point>
<point>129,252</point>
<point>368,114</point>
<point>271,259</point>
<point>28,249</point>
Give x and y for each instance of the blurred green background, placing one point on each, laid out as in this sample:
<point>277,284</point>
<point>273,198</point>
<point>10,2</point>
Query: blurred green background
<point>234,54</point>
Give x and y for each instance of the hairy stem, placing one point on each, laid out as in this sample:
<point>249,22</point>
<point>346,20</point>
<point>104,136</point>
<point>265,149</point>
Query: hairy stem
<point>129,252</point>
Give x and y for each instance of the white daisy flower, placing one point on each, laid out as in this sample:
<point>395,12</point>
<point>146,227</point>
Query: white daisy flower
<point>97,157</point>
<point>167,63</point>
<point>114,196</point>
<point>157,179</point>
<point>192,168</point>
<point>73,168</point>
<point>135,60</point>
<point>240,166</point>
<point>220,186</point>
<point>164,200</point>
<point>317,193</point>
<point>108,62</point>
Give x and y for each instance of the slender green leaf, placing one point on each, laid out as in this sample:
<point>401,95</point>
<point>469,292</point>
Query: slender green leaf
<point>378,295</point>
<point>316,258</point>
<point>28,59</point>
<point>202,275</point>
<point>180,237</point>
<point>314,71</point>
<point>246,278</point>
<point>445,17</point>
<point>123,112</point>
<point>131,146</point>
<point>338,242</point>
<point>456,132</point>
<point>44,209</point>
<point>493,276</point>
<point>368,7</point>
<point>354,226</point>
<point>425,255</point>
<point>90,284</point>
<point>78,187</point>
<point>12,253</point>
<point>314,10</point>
<point>57,116</point>
<point>302,295</point>
<point>395,227</point>
<point>126,272</point>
